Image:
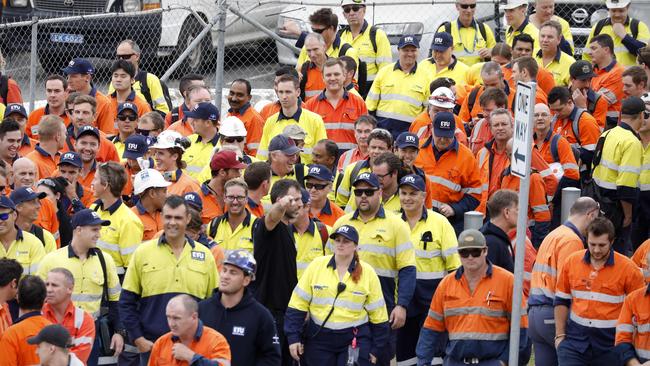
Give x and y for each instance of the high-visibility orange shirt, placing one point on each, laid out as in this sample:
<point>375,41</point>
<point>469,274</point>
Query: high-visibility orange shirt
<point>207,343</point>
<point>211,207</point>
<point>26,145</point>
<point>315,83</point>
<point>587,129</point>
<point>538,164</point>
<point>88,196</point>
<point>46,164</point>
<point>182,184</point>
<point>350,157</point>
<point>422,127</point>
<point>13,93</point>
<point>329,213</point>
<point>492,163</point>
<point>182,109</point>
<point>81,326</point>
<point>545,80</point>
<point>564,154</point>
<point>15,349</point>
<point>608,82</point>
<point>256,208</point>
<point>86,181</point>
<point>599,109</point>
<point>47,219</point>
<point>339,120</point>
<point>538,210</point>
<point>480,135</point>
<point>640,258</point>
<point>143,107</point>
<point>556,247</point>
<point>152,223</point>
<point>254,125</point>
<point>632,336</point>
<point>5,318</point>
<point>529,259</point>
<point>467,115</point>
<point>595,297</point>
<point>31,129</point>
<point>107,151</point>
<point>181,126</point>
<point>103,115</point>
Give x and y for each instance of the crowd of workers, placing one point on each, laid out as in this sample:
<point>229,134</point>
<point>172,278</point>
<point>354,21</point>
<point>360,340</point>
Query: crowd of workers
<point>327,228</point>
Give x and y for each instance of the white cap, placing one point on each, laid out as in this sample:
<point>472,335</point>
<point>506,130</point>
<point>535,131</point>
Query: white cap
<point>512,4</point>
<point>168,139</point>
<point>443,97</point>
<point>232,126</point>
<point>617,4</point>
<point>353,2</point>
<point>148,178</point>
<point>261,104</point>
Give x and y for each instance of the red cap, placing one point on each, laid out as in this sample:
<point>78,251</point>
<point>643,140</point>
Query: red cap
<point>226,159</point>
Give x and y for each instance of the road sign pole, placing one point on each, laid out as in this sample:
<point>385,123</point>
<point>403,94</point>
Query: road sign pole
<point>521,157</point>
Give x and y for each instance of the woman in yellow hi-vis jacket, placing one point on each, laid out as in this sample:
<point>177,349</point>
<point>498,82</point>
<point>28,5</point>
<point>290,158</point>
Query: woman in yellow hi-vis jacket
<point>348,322</point>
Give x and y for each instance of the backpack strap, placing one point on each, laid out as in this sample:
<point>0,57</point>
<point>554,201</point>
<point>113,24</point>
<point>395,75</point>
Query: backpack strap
<point>324,235</point>
<point>141,76</point>
<point>102,262</point>
<point>575,124</point>
<point>481,29</point>
<point>38,232</point>
<point>355,171</point>
<point>471,99</point>
<point>634,27</point>
<point>599,26</point>
<point>447,26</point>
<point>304,70</point>
<point>373,37</point>
<point>554,148</point>
<point>4,88</point>
<point>175,112</point>
<point>299,169</point>
<point>214,224</point>
<point>344,49</point>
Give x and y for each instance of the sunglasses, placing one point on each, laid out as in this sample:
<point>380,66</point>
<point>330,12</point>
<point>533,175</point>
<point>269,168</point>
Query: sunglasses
<point>318,187</point>
<point>368,192</point>
<point>129,117</point>
<point>475,252</point>
<point>467,6</point>
<point>125,57</point>
<point>354,8</point>
<point>142,132</point>
<point>4,216</point>
<point>319,31</point>
<point>231,140</point>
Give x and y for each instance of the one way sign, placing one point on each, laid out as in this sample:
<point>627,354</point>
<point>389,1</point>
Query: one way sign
<point>523,134</point>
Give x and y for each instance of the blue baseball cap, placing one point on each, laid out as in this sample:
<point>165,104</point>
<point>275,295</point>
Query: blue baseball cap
<point>442,41</point>
<point>304,196</point>
<point>205,110</point>
<point>444,125</point>
<point>320,172</point>
<point>408,40</point>
<point>71,158</point>
<point>88,217</point>
<point>369,178</point>
<point>407,139</point>
<point>348,232</point>
<point>79,66</point>
<point>25,194</point>
<point>194,200</point>
<point>284,144</point>
<point>6,202</point>
<point>88,130</point>
<point>127,106</point>
<point>414,181</point>
<point>15,108</point>
<point>135,146</point>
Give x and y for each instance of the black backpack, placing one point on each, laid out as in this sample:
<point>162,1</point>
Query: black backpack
<point>141,76</point>
<point>634,26</point>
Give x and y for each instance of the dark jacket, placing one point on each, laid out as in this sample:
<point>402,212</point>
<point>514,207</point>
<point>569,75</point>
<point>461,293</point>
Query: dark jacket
<point>499,248</point>
<point>248,327</point>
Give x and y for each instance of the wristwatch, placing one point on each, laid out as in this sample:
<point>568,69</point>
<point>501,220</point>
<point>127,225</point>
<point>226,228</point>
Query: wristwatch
<point>121,332</point>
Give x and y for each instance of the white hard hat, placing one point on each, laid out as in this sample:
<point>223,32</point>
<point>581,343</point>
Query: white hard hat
<point>512,4</point>
<point>261,104</point>
<point>168,139</point>
<point>353,2</point>
<point>617,4</point>
<point>148,178</point>
<point>443,97</point>
<point>232,126</point>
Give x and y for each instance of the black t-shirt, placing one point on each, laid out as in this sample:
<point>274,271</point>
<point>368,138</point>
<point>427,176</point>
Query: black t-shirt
<point>276,277</point>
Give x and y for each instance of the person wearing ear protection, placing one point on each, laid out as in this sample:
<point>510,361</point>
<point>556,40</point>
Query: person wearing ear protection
<point>168,155</point>
<point>347,321</point>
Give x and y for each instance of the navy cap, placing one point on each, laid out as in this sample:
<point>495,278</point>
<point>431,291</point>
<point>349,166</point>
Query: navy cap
<point>348,232</point>
<point>444,125</point>
<point>442,41</point>
<point>54,334</point>
<point>369,178</point>
<point>135,146</point>
<point>414,181</point>
<point>6,202</point>
<point>408,40</point>
<point>57,184</point>
<point>194,200</point>
<point>24,194</point>
<point>79,66</point>
<point>304,196</point>
<point>71,158</point>
<point>320,172</point>
<point>284,144</point>
<point>205,110</point>
<point>127,106</point>
<point>581,70</point>
<point>88,130</point>
<point>632,106</point>
<point>407,139</point>
<point>88,217</point>
<point>16,108</point>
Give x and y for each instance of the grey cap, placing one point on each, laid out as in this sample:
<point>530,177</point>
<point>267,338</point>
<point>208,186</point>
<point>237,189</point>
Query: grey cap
<point>471,239</point>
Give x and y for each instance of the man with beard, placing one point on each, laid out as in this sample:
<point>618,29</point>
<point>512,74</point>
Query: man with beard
<point>83,114</point>
<point>239,99</point>
<point>224,166</point>
<point>580,75</point>
<point>233,311</point>
<point>275,253</point>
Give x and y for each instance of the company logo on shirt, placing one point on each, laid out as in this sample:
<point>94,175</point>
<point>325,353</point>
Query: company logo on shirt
<point>238,331</point>
<point>199,256</point>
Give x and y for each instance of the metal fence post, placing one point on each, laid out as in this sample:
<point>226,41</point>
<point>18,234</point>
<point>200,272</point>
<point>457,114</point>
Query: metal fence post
<point>221,55</point>
<point>569,196</point>
<point>473,220</point>
<point>32,64</point>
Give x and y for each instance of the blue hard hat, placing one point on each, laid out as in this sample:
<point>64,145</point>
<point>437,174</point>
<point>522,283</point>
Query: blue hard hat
<point>243,260</point>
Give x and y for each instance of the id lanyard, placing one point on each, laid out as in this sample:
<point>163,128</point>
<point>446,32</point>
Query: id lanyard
<point>476,32</point>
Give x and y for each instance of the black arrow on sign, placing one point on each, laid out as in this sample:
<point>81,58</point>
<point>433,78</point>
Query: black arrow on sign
<point>519,156</point>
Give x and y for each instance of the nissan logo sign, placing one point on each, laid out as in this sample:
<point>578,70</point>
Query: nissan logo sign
<point>68,2</point>
<point>580,15</point>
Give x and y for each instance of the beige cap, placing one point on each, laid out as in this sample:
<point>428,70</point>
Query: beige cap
<point>471,239</point>
<point>294,132</point>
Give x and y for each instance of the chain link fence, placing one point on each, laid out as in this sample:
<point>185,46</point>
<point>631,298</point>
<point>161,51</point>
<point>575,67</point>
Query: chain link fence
<point>177,37</point>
